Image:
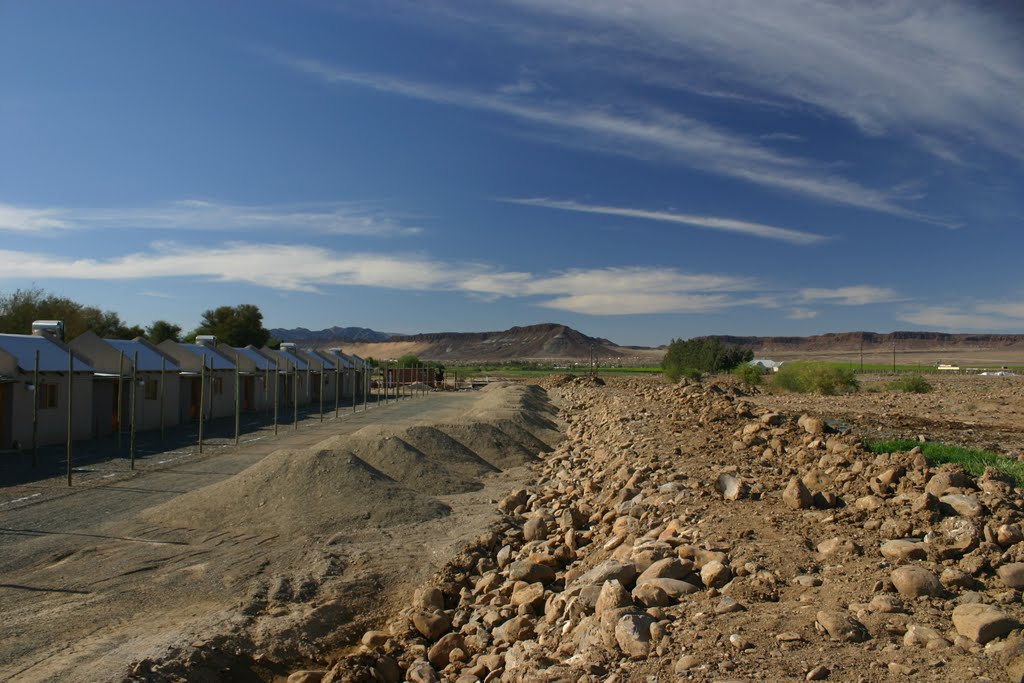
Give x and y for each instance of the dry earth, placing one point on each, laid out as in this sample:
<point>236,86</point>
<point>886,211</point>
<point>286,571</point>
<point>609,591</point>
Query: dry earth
<point>699,532</point>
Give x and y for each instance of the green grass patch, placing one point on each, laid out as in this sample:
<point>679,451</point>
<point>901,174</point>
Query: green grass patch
<point>912,384</point>
<point>750,374</point>
<point>972,460</point>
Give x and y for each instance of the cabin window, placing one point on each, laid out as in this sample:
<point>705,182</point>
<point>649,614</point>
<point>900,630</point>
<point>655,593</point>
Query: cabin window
<point>151,390</point>
<point>46,395</point>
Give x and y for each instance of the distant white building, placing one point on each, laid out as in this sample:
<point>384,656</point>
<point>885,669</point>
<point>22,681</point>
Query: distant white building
<point>771,365</point>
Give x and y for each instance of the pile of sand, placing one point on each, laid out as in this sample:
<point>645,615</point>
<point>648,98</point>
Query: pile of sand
<point>306,491</point>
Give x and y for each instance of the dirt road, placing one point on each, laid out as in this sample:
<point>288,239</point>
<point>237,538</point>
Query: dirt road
<point>90,586</point>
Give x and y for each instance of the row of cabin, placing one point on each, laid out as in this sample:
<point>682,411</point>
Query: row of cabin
<point>116,381</point>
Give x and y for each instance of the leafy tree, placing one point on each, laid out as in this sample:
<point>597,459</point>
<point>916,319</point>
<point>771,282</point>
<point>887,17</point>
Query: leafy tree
<point>23,306</point>
<point>702,354</point>
<point>235,325</point>
<point>162,330</point>
<point>409,361</point>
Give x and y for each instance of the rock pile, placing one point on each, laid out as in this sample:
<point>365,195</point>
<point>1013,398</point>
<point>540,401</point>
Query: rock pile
<point>680,533</point>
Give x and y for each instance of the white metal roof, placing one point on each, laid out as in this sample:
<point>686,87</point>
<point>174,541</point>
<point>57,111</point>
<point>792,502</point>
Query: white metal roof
<point>321,357</point>
<point>261,361</point>
<point>213,359</point>
<point>52,356</point>
<point>149,360</point>
<point>341,358</point>
<point>291,358</point>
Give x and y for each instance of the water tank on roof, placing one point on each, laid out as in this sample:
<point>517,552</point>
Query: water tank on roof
<point>52,328</point>
<point>288,346</point>
<point>206,339</point>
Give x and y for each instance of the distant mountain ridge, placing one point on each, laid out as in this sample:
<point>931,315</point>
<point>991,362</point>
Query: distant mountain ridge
<point>331,334</point>
<point>851,341</point>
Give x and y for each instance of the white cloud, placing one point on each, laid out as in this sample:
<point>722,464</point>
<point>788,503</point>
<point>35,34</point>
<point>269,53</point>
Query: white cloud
<point>802,314</point>
<point>955,320</point>
<point>892,66</point>
<point>23,219</point>
<point>711,222</point>
<point>654,134</point>
<point>1013,309</point>
<point>304,268</point>
<point>197,214</point>
<point>859,295</point>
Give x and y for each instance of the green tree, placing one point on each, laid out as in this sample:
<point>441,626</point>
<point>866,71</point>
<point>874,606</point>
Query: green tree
<point>235,325</point>
<point>409,361</point>
<point>702,354</point>
<point>162,330</point>
<point>19,309</point>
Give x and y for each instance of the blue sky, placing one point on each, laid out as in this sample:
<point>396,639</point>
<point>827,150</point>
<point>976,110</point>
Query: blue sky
<point>639,171</point>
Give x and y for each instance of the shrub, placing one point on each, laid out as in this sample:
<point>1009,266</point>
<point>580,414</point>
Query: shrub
<point>815,378</point>
<point>751,374</point>
<point>912,384</point>
<point>701,355</point>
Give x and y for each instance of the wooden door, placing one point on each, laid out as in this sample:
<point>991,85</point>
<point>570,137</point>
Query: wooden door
<point>248,393</point>
<point>194,396</point>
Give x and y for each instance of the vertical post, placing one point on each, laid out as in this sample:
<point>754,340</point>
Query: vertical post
<point>295,397</point>
<point>163,396</point>
<point>71,400</point>
<point>134,399</point>
<point>862,354</point>
<point>309,384</point>
<point>277,390</point>
<point>266,386</point>
<point>238,405</point>
<point>337,387</point>
<point>35,413</point>
<point>354,378</point>
<point>202,400</point>
<point>894,356</point>
<point>323,371</point>
<point>120,396</point>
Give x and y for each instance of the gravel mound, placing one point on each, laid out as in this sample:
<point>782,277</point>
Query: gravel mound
<point>307,491</point>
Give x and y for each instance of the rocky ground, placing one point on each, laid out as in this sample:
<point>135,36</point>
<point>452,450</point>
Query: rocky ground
<point>700,532</point>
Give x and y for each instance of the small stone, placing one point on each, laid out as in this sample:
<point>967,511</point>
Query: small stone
<point>429,598</point>
<point>841,627</point>
<point>838,546</point>
<point>796,496</point>
<point>612,596</point>
<point>421,672</point>
<point>728,605</point>
<point>633,634</point>
<point>789,637</point>
<point>514,630</point>
<point>667,568</point>
<point>439,655</point>
<point>306,676</point>
<point>885,604</point>
<point>982,623</point>
<point>739,642</point>
<point>963,505</point>
<point>650,595</point>
<point>904,550</point>
<point>530,572</point>
<point>1012,574</point>
<point>812,425</point>
<point>535,529</point>
<point>531,594</point>
<point>818,673</point>
<point>431,625</point>
<point>674,587</point>
<point>898,669</point>
<point>1008,535</point>
<point>924,636</point>
<point>869,503</point>
<point>715,574</point>
<point>914,582</point>
<point>731,487</point>
<point>685,663</point>
<point>374,639</point>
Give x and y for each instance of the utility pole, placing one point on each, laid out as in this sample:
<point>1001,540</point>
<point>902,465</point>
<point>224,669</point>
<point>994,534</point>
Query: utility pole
<point>71,393</point>
<point>35,413</point>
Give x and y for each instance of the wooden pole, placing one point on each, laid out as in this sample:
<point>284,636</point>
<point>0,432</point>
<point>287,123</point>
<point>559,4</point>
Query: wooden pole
<point>202,401</point>
<point>295,397</point>
<point>120,396</point>
<point>277,390</point>
<point>322,372</point>
<point>35,413</point>
<point>71,400</point>
<point>354,378</point>
<point>238,406</point>
<point>163,395</point>
<point>134,399</point>
<point>337,388</point>
<point>266,385</point>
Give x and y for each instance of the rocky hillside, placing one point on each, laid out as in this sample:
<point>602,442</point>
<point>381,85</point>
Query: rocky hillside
<point>329,335</point>
<point>681,533</point>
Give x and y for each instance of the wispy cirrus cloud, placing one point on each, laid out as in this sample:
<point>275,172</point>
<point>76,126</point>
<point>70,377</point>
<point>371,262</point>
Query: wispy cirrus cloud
<point>896,66</point>
<point>858,295</point>
<point>801,314</point>
<point>654,133</point>
<point>306,268</point>
<point>981,316</point>
<point>201,214</point>
<point>762,230</point>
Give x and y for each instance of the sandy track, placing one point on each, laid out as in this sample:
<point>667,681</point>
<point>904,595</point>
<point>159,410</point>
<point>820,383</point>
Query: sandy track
<point>187,566</point>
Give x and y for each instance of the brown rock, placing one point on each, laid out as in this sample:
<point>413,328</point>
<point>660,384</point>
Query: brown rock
<point>904,550</point>
<point>841,627</point>
<point>982,623</point>
<point>421,672</point>
<point>535,529</point>
<point>530,572</point>
<point>612,596</point>
<point>838,546</point>
<point>715,574</point>
<point>514,630</point>
<point>633,635</point>
<point>650,595</point>
<point>731,487</point>
<point>796,496</point>
<point>431,625</point>
<point>306,676</point>
<point>668,568</point>
<point>961,504</point>
<point>1008,535</point>
<point>429,598</point>
<point>531,594</point>
<point>674,587</point>
<point>924,636</point>
<point>944,480</point>
<point>914,582</point>
<point>812,425</point>
<point>439,653</point>
<point>1012,574</point>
